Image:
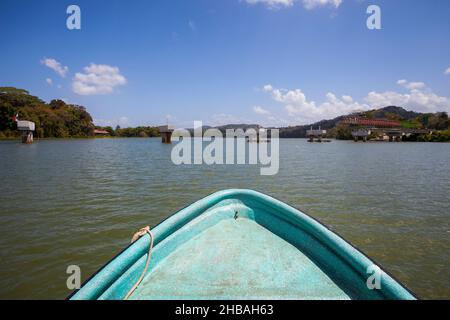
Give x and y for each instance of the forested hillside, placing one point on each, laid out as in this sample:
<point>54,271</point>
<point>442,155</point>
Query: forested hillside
<point>56,119</point>
<point>408,119</point>
<point>53,120</point>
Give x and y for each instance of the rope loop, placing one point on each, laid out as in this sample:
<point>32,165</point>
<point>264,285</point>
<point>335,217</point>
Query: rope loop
<point>135,238</point>
<point>142,232</point>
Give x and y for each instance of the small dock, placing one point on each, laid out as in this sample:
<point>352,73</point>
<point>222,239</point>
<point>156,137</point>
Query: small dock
<point>27,128</point>
<point>316,135</point>
<point>361,134</point>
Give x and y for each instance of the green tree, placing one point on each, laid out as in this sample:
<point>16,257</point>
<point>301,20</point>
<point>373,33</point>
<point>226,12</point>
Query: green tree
<point>343,132</point>
<point>55,119</point>
<point>439,121</point>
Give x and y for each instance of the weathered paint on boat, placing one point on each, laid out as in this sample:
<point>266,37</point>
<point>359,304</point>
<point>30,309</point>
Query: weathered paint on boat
<point>241,244</point>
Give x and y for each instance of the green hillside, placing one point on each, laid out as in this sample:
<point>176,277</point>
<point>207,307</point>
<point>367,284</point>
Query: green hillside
<point>53,120</point>
<point>56,119</point>
<point>408,119</point>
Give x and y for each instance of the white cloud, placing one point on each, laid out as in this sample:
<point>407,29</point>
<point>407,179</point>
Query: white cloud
<point>268,120</point>
<point>308,4</point>
<point>224,118</point>
<point>272,3</point>
<point>447,71</point>
<point>55,66</point>
<point>98,79</point>
<point>302,110</point>
<point>261,111</point>
<point>347,99</point>
<point>122,122</point>
<point>49,81</point>
<point>411,85</point>
<point>418,98</point>
<point>311,4</point>
<point>192,25</point>
<point>273,121</point>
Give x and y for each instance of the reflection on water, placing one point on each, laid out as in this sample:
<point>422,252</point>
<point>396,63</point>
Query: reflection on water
<point>66,202</point>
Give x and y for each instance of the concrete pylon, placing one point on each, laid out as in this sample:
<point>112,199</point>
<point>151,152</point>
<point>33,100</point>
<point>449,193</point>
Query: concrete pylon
<point>166,133</point>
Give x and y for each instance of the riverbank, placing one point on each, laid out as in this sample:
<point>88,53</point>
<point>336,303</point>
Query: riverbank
<point>425,139</point>
<point>437,136</point>
<point>72,138</point>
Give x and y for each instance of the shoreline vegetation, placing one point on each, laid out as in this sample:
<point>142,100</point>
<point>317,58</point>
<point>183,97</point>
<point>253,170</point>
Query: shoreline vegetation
<point>55,119</point>
<point>59,120</point>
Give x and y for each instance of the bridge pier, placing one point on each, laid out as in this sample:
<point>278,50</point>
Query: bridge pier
<point>363,134</point>
<point>166,134</point>
<point>315,134</point>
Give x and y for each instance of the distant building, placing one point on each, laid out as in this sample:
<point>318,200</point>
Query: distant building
<point>27,128</point>
<point>101,132</point>
<point>376,123</point>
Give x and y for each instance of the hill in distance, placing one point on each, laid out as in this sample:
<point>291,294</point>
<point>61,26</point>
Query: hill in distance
<point>408,119</point>
<point>58,119</point>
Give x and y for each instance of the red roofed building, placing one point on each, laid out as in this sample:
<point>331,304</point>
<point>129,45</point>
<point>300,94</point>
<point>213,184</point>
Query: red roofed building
<point>376,123</point>
<point>100,132</point>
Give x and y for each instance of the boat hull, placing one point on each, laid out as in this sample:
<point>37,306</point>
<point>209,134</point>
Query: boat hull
<point>241,244</point>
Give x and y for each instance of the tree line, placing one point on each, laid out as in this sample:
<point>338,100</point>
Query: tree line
<point>140,132</point>
<point>56,119</point>
<point>53,120</point>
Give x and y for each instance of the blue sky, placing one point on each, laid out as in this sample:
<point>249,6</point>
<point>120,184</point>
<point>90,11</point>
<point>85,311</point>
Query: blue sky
<point>274,62</point>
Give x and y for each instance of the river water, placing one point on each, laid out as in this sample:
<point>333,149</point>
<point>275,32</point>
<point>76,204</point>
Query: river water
<point>65,202</point>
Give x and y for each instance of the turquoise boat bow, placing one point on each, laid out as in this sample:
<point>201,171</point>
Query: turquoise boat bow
<point>241,244</point>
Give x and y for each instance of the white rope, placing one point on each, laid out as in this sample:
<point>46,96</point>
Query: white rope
<point>135,238</point>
